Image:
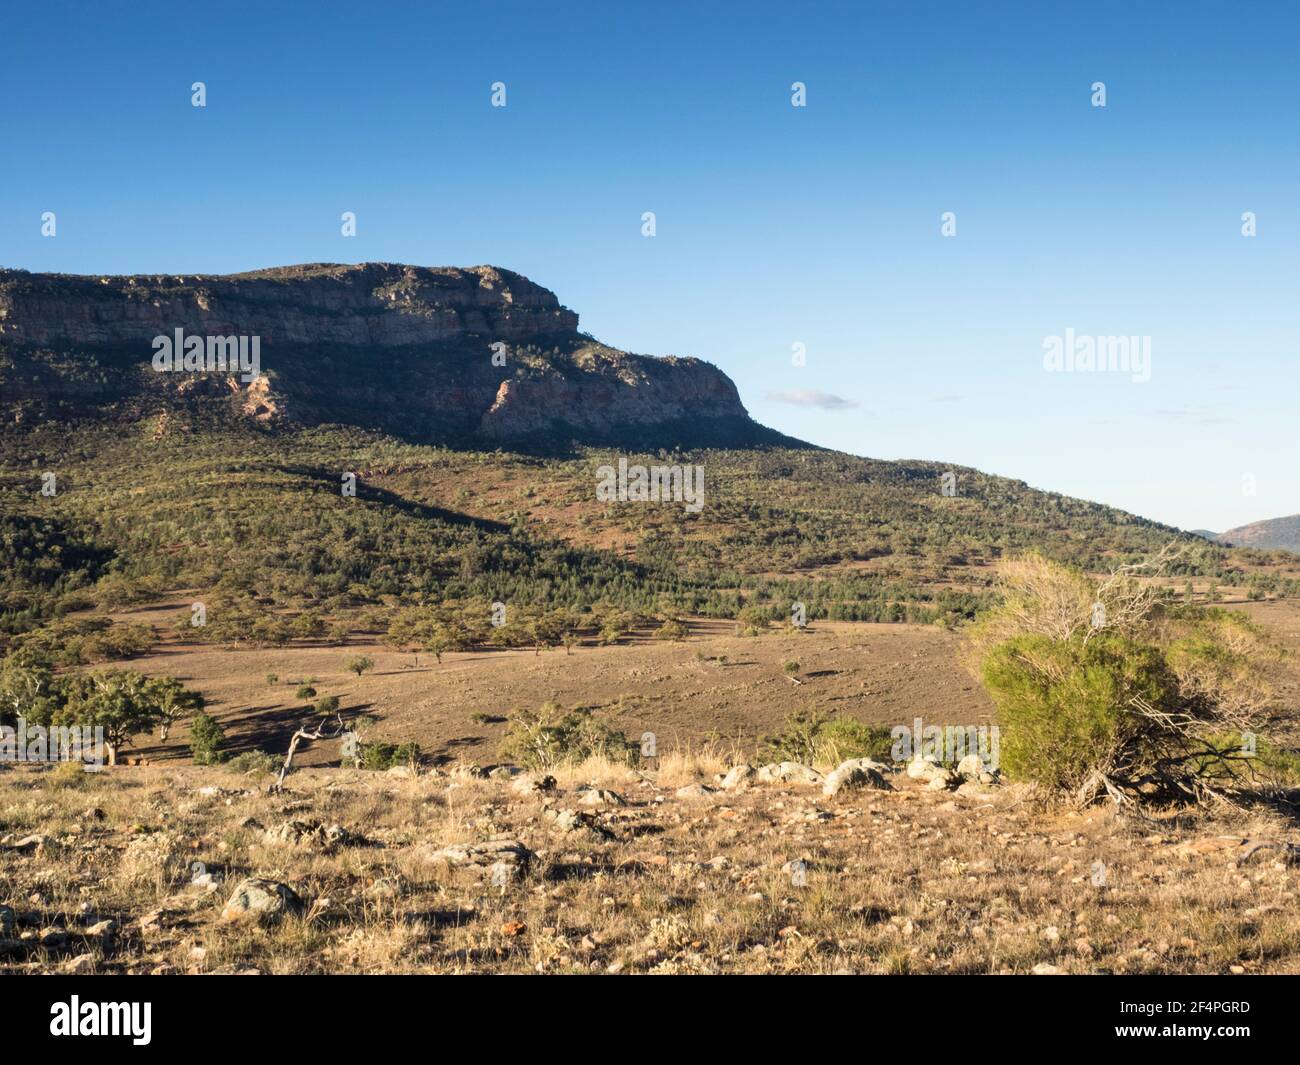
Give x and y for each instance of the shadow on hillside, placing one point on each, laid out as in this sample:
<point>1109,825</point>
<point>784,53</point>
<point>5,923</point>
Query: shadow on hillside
<point>370,494</point>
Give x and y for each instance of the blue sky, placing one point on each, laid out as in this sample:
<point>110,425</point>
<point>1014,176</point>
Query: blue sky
<point>776,225</point>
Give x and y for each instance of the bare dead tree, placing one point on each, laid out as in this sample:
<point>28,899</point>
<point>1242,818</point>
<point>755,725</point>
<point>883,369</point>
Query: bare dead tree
<point>323,731</point>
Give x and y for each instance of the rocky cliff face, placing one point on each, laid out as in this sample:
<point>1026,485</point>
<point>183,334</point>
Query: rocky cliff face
<point>377,305</point>
<point>437,352</point>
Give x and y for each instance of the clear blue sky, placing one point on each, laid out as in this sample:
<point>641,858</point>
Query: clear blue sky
<point>776,224</point>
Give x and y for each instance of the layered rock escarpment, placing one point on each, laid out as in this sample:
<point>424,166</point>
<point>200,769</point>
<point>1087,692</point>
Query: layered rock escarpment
<point>434,351</point>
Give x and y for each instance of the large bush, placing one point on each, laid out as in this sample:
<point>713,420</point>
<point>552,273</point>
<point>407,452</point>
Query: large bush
<point>1110,687</point>
<point>541,739</point>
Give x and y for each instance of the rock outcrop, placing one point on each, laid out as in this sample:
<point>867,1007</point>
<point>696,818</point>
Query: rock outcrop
<point>434,352</point>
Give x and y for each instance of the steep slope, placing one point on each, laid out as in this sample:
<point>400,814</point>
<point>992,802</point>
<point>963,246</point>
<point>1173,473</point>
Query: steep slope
<point>436,354</point>
<point>1276,533</point>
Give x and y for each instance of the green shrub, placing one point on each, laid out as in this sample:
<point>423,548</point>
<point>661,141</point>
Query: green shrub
<point>205,740</point>
<point>387,755</point>
<point>254,763</point>
<point>305,691</point>
<point>1111,687</point>
<point>817,737</point>
<point>672,629</point>
<point>1063,705</point>
<point>550,736</point>
<point>327,705</point>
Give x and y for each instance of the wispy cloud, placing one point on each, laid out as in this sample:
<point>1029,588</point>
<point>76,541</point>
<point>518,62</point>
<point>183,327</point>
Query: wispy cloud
<point>810,397</point>
<point>1194,414</point>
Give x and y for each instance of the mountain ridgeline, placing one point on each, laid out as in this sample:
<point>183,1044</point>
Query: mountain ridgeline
<point>442,354</point>
<point>1278,534</point>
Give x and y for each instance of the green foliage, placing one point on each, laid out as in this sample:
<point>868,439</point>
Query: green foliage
<point>359,664</point>
<point>27,689</point>
<point>1063,706</point>
<point>206,737</point>
<point>254,763</point>
<point>672,629</point>
<point>121,702</point>
<point>387,755</point>
<point>1125,699</point>
<point>819,737</point>
<point>305,691</point>
<point>327,705</point>
<point>551,735</point>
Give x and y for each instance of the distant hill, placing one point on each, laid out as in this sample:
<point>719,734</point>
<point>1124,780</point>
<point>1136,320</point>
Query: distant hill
<point>1282,534</point>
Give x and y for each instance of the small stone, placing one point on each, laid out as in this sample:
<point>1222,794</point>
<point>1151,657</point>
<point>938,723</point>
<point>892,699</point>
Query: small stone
<point>856,773</point>
<point>265,901</point>
<point>738,776</point>
<point>788,773</point>
<point>533,784</point>
<point>600,797</point>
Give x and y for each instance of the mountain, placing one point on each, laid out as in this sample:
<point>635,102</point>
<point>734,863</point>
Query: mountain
<point>436,354</point>
<point>1275,533</point>
<point>475,481</point>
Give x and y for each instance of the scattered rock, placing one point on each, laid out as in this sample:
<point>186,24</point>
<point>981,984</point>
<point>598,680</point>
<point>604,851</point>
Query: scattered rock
<point>788,773</point>
<point>533,784</point>
<point>738,776</point>
<point>82,965</point>
<point>600,797</point>
<point>53,937</point>
<point>943,780</point>
<point>1044,969</point>
<point>924,768</point>
<point>855,773</point>
<point>312,834</point>
<point>264,901</point>
<point>971,767</point>
<point>508,854</point>
<point>33,844</point>
<point>575,821</point>
<point>466,771</point>
<point>694,791</point>
<point>1241,848</point>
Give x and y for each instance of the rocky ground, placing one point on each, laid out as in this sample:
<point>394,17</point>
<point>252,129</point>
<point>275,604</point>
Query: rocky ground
<point>694,867</point>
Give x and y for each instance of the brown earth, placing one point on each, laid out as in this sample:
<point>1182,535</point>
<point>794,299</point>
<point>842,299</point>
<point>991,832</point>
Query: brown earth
<point>713,685</point>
